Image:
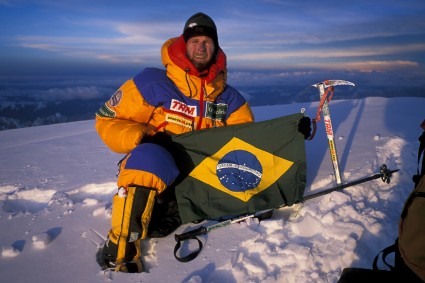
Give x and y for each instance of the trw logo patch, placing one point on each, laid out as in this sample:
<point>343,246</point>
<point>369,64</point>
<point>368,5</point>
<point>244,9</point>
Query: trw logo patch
<point>181,107</point>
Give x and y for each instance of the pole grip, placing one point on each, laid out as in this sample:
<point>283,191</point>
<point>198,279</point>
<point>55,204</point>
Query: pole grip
<point>191,234</point>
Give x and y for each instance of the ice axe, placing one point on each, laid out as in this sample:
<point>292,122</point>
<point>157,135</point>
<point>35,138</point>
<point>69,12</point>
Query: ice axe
<point>326,90</point>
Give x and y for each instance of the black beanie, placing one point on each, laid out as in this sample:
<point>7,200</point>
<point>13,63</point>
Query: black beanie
<point>200,24</point>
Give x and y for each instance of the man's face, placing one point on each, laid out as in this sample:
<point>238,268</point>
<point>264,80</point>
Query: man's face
<point>200,50</point>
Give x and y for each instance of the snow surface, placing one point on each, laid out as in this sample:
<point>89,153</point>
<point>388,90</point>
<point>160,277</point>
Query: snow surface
<point>57,182</point>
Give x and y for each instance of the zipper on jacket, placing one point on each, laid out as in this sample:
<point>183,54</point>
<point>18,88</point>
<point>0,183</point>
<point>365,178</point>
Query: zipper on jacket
<point>201,105</point>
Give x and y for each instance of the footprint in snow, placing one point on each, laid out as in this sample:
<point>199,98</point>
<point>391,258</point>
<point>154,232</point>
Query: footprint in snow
<point>42,240</point>
<point>27,200</point>
<point>14,250</point>
<point>92,194</point>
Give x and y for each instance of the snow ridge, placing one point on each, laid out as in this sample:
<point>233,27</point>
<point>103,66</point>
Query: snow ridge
<point>57,187</point>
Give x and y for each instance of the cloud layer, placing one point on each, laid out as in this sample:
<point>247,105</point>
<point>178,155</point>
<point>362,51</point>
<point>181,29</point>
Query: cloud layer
<point>365,35</point>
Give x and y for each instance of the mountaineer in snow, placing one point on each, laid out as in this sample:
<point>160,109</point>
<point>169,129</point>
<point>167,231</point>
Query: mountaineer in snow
<point>190,94</point>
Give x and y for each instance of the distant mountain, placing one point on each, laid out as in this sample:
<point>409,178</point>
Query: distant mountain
<point>26,111</point>
<point>19,115</point>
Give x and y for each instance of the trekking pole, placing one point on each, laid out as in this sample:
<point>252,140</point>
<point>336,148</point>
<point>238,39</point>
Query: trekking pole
<point>326,90</point>
<point>192,235</point>
<point>385,174</point>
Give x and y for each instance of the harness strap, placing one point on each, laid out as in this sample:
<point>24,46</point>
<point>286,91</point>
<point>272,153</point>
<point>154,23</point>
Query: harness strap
<point>421,151</point>
<point>385,252</point>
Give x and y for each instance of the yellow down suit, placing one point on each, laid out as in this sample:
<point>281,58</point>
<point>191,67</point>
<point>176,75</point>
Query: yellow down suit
<point>176,100</point>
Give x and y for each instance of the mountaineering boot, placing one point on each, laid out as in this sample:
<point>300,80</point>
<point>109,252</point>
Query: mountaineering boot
<point>131,215</point>
<point>106,259</point>
<point>134,266</point>
<point>143,175</point>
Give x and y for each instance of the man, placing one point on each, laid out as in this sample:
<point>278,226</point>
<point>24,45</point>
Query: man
<point>191,94</point>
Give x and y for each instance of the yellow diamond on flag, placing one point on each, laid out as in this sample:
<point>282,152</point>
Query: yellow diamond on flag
<point>272,168</point>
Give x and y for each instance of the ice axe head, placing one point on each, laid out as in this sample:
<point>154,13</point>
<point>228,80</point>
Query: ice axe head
<point>329,83</point>
<point>326,90</point>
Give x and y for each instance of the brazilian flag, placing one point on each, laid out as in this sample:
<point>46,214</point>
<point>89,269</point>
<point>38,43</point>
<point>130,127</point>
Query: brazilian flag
<point>240,169</point>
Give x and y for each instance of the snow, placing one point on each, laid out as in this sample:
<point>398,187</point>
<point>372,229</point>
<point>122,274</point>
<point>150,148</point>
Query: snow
<point>57,182</point>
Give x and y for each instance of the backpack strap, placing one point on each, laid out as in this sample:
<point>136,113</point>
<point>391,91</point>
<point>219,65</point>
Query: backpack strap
<point>385,252</point>
<point>421,151</point>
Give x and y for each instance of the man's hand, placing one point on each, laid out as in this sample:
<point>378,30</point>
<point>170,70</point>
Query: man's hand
<point>304,127</point>
<point>159,138</point>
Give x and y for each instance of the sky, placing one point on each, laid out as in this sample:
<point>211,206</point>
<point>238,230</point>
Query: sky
<point>44,37</point>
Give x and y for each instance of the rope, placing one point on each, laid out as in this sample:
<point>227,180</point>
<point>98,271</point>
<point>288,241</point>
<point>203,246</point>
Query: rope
<point>327,96</point>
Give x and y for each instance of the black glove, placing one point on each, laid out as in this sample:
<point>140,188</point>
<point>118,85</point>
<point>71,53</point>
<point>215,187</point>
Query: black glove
<point>304,127</point>
<point>160,138</point>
